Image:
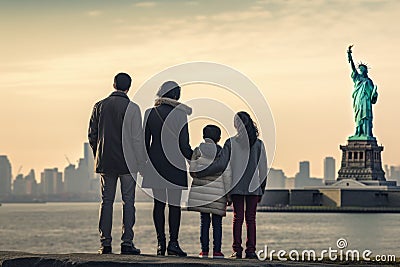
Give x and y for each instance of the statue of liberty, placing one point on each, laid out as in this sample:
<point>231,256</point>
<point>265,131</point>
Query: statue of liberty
<point>364,95</point>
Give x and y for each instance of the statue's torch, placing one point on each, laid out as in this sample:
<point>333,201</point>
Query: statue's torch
<point>349,52</point>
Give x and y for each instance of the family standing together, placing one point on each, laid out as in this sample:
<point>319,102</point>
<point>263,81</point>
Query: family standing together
<point>234,174</point>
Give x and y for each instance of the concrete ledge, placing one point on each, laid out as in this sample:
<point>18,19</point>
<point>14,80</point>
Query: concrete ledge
<point>327,209</point>
<point>14,259</point>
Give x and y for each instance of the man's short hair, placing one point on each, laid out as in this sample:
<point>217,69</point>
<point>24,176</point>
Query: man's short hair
<point>212,132</point>
<point>122,81</point>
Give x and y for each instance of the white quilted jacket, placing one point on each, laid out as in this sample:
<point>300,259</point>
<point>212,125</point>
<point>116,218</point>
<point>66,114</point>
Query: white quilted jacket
<point>208,194</point>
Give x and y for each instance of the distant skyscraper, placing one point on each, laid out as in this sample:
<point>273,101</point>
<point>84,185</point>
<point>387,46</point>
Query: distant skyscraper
<point>84,175</point>
<point>77,179</point>
<point>71,179</point>
<point>303,179</point>
<point>5,176</point>
<point>31,184</point>
<point>51,181</point>
<point>276,179</point>
<point>304,171</point>
<point>19,185</point>
<point>89,160</point>
<point>395,174</point>
<point>329,168</point>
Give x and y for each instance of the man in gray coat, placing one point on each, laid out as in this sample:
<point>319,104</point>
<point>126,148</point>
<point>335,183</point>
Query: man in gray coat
<point>116,127</point>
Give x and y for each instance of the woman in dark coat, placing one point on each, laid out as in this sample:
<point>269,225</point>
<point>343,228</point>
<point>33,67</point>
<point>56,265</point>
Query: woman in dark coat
<point>168,148</point>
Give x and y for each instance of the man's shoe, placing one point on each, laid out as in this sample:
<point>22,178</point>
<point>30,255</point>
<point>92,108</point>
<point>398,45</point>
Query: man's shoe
<point>236,255</point>
<point>129,250</point>
<point>173,249</point>
<point>105,250</point>
<point>161,247</point>
<point>251,255</point>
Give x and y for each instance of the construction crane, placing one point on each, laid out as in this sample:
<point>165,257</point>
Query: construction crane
<point>67,159</point>
<point>19,170</point>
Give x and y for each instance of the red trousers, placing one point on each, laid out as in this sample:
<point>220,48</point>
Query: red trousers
<point>244,207</point>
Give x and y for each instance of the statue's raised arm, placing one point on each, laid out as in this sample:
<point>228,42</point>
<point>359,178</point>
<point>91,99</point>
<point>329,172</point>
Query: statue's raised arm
<point>350,58</point>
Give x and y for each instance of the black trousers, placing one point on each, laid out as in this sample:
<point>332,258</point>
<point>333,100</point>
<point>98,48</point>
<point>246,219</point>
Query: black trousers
<point>173,198</point>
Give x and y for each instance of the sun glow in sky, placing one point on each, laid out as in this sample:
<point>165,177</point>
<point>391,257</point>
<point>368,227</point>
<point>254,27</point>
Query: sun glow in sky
<point>59,57</point>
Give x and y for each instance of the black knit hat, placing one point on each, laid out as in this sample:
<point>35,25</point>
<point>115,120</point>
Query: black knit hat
<point>169,89</point>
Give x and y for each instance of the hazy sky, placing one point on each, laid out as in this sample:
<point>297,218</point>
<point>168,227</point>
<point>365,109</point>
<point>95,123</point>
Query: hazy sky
<point>59,57</point>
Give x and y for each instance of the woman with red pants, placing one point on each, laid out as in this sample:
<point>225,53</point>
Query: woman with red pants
<point>248,160</point>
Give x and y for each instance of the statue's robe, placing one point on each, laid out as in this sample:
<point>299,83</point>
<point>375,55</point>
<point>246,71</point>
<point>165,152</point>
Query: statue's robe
<point>364,95</point>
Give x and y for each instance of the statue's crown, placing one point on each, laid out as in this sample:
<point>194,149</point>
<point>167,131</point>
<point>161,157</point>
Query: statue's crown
<point>363,64</point>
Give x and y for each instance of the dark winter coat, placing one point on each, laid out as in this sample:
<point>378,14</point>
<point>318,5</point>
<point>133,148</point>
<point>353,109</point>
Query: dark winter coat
<point>106,135</point>
<point>167,145</point>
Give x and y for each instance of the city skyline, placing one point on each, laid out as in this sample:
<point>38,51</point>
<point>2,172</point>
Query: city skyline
<point>87,162</point>
<point>87,159</point>
<point>72,179</point>
<point>59,59</point>
<point>78,183</point>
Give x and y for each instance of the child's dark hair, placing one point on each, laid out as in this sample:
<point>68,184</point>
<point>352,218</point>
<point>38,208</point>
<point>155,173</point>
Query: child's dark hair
<point>212,132</point>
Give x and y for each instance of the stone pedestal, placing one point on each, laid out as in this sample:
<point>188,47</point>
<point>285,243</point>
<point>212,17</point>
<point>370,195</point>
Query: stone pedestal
<point>361,161</point>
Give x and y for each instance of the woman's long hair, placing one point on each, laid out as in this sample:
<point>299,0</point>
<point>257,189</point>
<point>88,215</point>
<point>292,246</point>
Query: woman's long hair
<point>246,127</point>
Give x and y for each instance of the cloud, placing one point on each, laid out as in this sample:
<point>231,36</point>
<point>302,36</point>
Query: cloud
<point>94,13</point>
<point>119,21</point>
<point>241,15</point>
<point>145,4</point>
<point>191,3</point>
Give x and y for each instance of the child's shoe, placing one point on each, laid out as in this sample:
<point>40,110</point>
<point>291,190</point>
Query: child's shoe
<point>236,255</point>
<point>218,255</point>
<point>203,254</point>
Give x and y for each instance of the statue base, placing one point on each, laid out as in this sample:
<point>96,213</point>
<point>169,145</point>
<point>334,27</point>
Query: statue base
<point>361,160</point>
<point>361,138</point>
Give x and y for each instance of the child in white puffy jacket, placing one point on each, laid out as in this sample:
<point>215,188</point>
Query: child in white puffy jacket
<point>209,195</point>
